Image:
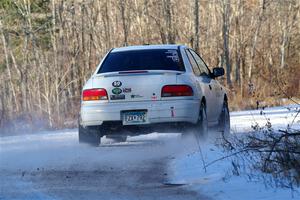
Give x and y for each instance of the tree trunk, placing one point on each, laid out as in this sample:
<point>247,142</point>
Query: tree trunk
<point>122,7</point>
<point>168,19</point>
<point>8,68</point>
<point>254,41</point>
<point>196,25</point>
<point>225,33</point>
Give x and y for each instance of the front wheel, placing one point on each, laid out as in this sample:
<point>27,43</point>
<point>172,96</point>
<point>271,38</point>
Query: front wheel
<point>224,120</point>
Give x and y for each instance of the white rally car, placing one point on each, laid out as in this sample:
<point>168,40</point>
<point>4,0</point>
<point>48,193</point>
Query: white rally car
<point>138,86</point>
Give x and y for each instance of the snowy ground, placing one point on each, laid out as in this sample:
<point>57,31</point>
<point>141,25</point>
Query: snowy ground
<point>52,165</point>
<point>218,182</point>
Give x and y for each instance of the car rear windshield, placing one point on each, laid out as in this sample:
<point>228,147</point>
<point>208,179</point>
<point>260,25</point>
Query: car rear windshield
<point>154,59</point>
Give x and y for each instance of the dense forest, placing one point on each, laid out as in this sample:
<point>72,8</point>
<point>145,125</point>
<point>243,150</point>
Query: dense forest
<point>48,48</point>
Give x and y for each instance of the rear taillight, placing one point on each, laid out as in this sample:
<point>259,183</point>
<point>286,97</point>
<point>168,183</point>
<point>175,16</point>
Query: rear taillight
<point>94,94</point>
<point>176,90</point>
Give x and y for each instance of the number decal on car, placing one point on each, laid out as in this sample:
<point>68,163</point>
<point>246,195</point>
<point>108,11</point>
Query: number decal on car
<point>117,84</point>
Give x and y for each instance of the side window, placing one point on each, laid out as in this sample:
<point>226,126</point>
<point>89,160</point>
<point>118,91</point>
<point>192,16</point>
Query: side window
<point>195,67</point>
<point>201,64</point>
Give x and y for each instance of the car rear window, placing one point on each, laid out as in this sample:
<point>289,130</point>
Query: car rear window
<point>154,59</point>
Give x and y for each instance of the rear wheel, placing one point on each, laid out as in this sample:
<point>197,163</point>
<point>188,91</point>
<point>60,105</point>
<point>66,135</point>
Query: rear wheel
<point>90,135</point>
<point>200,130</point>
<point>224,120</point>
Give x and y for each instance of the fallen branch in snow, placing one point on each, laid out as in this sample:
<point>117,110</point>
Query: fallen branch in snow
<point>224,157</point>
<point>200,150</point>
<point>275,153</point>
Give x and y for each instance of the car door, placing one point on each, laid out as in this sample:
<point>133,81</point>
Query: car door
<point>203,82</point>
<point>211,88</point>
<point>218,92</point>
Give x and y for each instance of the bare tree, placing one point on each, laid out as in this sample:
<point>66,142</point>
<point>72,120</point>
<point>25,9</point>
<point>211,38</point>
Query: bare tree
<point>255,37</point>
<point>225,32</point>
<point>168,18</point>
<point>14,98</point>
<point>196,26</point>
<point>125,20</point>
<point>49,48</point>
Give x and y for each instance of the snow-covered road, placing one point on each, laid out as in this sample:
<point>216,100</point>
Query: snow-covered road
<point>52,165</point>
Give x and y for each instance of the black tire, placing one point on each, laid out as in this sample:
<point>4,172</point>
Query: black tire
<point>200,130</point>
<point>90,135</point>
<point>224,120</point>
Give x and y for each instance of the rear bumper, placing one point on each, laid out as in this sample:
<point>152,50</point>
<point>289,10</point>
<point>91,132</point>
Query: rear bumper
<point>157,111</point>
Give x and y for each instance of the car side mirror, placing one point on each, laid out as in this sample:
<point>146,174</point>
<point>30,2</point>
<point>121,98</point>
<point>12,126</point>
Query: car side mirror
<point>218,71</point>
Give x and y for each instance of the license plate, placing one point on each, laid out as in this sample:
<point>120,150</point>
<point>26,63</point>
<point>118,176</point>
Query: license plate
<point>134,117</point>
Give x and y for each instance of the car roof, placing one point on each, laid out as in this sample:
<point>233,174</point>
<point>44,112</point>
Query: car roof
<point>143,47</point>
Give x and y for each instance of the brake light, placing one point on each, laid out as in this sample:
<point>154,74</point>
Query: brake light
<point>134,72</point>
<point>176,90</point>
<point>94,94</point>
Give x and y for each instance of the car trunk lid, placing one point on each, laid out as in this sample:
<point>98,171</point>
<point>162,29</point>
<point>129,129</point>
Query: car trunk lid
<point>140,85</point>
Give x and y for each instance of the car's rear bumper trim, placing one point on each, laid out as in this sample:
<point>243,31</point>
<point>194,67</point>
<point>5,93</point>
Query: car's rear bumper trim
<point>157,111</point>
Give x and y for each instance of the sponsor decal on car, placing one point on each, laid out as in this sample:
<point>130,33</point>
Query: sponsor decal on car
<point>154,97</point>
<point>116,91</point>
<point>117,84</point>
<point>135,96</point>
<point>173,55</point>
<point>126,90</point>
<point>117,97</point>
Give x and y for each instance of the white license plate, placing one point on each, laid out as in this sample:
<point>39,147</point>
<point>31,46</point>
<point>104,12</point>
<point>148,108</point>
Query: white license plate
<point>134,117</point>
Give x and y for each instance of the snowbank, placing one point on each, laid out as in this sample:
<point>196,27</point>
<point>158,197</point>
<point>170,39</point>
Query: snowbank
<point>218,180</point>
